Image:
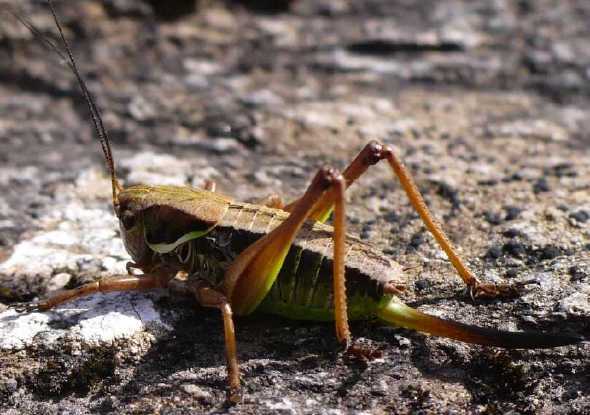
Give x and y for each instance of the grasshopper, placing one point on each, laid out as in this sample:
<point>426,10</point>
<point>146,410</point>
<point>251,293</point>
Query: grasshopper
<point>275,258</point>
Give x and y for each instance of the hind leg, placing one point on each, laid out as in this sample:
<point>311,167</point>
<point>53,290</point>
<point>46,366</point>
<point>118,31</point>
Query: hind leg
<point>375,152</point>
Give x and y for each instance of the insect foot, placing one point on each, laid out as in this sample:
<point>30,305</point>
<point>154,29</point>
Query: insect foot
<point>25,308</point>
<point>480,290</point>
<point>359,350</point>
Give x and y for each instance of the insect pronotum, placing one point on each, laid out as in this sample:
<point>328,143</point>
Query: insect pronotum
<point>275,258</point>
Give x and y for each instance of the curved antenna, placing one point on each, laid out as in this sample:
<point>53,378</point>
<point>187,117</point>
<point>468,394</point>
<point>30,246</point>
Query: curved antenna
<point>94,112</point>
<point>99,128</point>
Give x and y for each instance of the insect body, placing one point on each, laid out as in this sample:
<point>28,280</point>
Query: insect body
<point>280,259</point>
<point>303,286</point>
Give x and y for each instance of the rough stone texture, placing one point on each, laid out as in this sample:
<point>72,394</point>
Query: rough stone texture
<point>486,102</point>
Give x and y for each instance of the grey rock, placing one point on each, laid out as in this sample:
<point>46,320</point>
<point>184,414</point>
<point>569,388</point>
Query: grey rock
<point>257,103</point>
<point>578,303</point>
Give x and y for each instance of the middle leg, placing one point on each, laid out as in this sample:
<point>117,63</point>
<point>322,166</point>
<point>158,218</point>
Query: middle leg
<point>249,278</point>
<point>209,297</point>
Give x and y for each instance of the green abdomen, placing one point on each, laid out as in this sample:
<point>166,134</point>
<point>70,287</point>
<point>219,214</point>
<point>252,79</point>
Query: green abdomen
<point>303,288</point>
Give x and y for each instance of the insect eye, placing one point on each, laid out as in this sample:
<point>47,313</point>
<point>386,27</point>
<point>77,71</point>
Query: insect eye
<point>128,220</point>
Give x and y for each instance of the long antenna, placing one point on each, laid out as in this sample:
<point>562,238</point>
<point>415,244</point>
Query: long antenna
<point>94,112</point>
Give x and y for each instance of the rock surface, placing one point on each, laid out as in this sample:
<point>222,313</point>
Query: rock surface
<point>486,102</point>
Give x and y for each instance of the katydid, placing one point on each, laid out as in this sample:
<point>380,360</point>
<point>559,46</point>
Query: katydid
<point>274,258</point>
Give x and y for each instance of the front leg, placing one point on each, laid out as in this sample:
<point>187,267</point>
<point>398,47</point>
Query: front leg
<point>104,285</point>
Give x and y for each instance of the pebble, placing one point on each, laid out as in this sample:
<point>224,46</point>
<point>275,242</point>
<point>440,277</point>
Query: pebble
<point>195,391</point>
<point>541,186</point>
<point>417,239</point>
<point>549,252</point>
<point>581,216</point>
<point>547,281</point>
<point>220,145</point>
<point>391,217</point>
<point>422,284</point>
<point>511,273</point>
<point>58,281</point>
<point>127,8</point>
<point>10,385</point>
<point>577,303</point>
<point>141,109</point>
<point>263,98</point>
<point>512,233</point>
<point>381,388</point>
<point>493,218</point>
<point>403,342</point>
<point>494,252</point>
<point>512,212</point>
<point>515,249</point>
<point>511,262</point>
<point>577,273</point>
<point>449,193</point>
